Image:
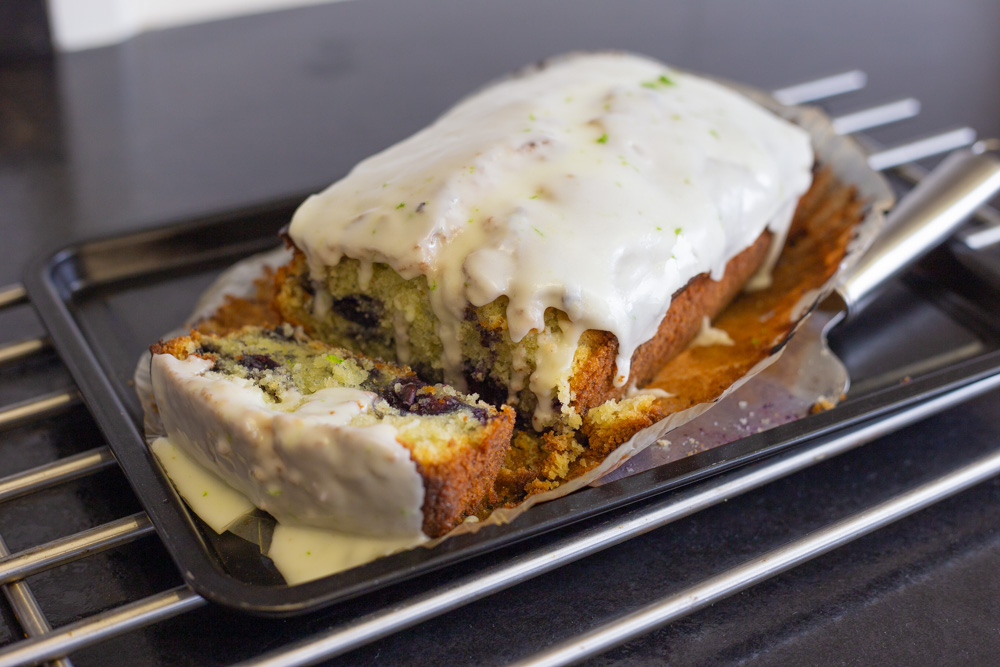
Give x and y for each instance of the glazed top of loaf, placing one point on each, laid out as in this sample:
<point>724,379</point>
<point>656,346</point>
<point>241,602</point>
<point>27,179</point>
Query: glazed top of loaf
<point>597,184</point>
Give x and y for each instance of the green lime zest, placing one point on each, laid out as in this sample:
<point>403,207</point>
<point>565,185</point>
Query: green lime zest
<point>663,81</point>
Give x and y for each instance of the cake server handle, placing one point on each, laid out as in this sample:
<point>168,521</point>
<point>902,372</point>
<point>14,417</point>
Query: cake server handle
<point>925,217</point>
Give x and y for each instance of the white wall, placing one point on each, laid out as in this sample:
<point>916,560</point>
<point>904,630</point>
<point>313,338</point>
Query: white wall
<point>84,24</point>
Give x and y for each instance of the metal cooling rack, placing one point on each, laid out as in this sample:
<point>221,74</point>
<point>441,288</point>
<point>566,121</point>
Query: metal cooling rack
<point>44,643</point>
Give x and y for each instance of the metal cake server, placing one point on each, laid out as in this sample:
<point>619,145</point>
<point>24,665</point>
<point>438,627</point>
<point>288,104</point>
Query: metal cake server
<point>808,370</point>
<point>924,218</point>
<point>921,221</point>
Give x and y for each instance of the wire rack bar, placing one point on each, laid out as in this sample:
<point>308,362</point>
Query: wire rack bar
<point>102,626</point>
<point>877,116</point>
<point>27,610</point>
<point>12,295</point>
<point>818,89</point>
<point>74,547</point>
<point>38,408</point>
<point>56,472</point>
<point>919,149</point>
<point>23,349</point>
<point>782,559</point>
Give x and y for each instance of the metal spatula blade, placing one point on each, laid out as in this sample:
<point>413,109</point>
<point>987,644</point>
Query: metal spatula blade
<point>922,220</point>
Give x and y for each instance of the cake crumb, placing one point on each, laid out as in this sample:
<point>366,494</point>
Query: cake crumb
<point>822,404</point>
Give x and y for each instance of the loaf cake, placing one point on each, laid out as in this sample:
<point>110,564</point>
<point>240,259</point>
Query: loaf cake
<point>550,245</point>
<point>554,239</point>
<point>321,436</point>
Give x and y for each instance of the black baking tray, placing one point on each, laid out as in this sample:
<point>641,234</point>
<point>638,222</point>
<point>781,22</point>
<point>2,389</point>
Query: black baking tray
<point>104,301</point>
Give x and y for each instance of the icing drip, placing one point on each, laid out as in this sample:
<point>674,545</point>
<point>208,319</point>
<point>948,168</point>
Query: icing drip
<point>518,373</point>
<point>365,271</point>
<point>555,356</point>
<point>709,335</point>
<point>448,330</point>
<point>632,391</point>
<point>598,186</point>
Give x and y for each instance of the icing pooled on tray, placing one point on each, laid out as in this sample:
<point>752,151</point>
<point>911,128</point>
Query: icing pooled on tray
<point>300,553</point>
<point>301,461</point>
<point>598,185</point>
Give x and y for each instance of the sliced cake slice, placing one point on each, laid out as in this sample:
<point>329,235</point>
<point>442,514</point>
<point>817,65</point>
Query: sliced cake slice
<point>320,436</point>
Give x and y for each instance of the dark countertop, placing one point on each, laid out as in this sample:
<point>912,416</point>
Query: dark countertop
<point>212,117</point>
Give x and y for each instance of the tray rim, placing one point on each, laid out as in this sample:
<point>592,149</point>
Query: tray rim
<point>182,537</point>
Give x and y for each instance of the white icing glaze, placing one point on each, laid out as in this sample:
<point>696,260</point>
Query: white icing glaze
<point>632,391</point>
<point>599,186</point>
<point>338,405</point>
<point>217,503</point>
<point>302,553</point>
<point>302,462</point>
<point>709,335</point>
